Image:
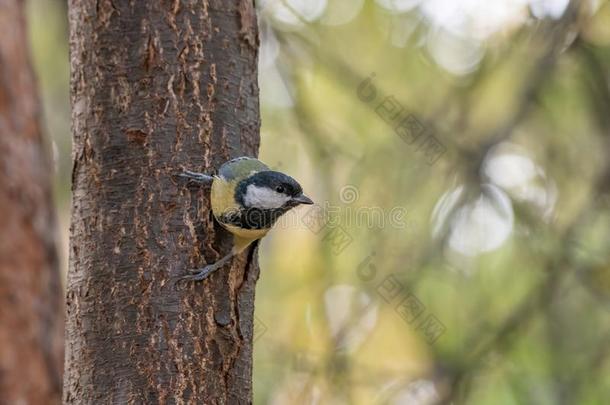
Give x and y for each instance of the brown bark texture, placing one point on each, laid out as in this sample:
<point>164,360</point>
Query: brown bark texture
<point>157,86</point>
<point>31,332</point>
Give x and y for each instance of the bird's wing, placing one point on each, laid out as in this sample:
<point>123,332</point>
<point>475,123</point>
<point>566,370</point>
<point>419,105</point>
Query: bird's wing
<point>240,168</point>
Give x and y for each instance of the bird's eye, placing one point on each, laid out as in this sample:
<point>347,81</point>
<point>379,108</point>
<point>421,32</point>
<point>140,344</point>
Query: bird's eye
<point>279,189</point>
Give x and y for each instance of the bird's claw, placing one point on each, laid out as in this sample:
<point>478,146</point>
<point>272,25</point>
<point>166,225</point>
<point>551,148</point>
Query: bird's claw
<point>195,178</point>
<point>198,274</point>
<point>205,272</point>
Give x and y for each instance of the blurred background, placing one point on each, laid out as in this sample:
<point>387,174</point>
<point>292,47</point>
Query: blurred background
<point>459,155</point>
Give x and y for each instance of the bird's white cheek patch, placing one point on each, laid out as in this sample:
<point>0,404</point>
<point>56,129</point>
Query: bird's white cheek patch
<point>263,197</point>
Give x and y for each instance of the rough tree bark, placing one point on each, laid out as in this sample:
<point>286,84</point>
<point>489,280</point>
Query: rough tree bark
<point>157,86</point>
<point>31,333</point>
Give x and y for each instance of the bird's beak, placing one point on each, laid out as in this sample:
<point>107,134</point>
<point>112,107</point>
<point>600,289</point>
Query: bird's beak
<point>301,199</point>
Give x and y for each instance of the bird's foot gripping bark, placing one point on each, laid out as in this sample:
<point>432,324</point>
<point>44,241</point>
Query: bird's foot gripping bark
<point>205,272</point>
<point>194,177</point>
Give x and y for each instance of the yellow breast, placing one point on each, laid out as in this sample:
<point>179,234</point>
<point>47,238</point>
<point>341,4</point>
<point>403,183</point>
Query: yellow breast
<point>222,196</point>
<point>244,237</point>
<point>223,201</point>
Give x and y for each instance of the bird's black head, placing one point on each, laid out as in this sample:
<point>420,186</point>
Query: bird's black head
<point>270,190</point>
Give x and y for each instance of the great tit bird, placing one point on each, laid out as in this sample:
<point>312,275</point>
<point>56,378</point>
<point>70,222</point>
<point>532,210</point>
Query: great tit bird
<point>247,199</point>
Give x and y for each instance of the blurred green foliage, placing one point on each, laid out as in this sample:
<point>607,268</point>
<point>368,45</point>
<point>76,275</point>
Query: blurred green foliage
<point>478,275</point>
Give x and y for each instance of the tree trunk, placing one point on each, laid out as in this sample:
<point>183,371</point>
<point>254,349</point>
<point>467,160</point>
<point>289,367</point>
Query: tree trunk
<point>31,334</point>
<point>157,86</point>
